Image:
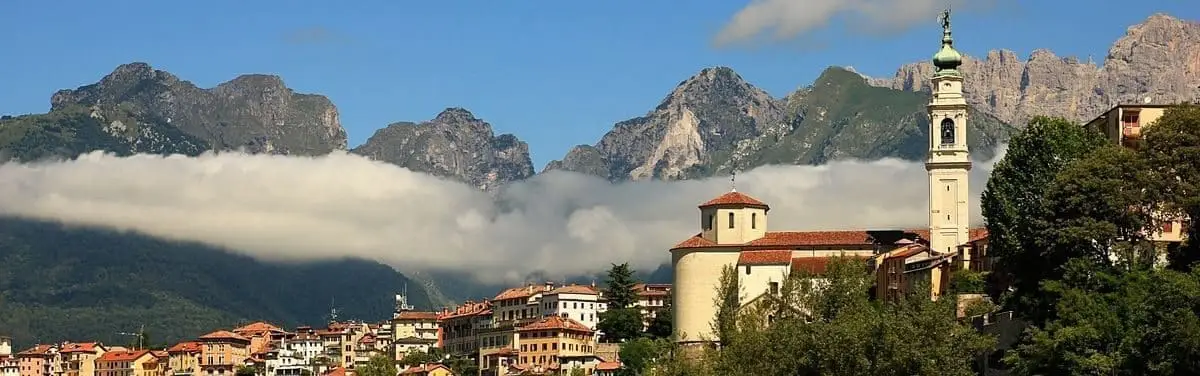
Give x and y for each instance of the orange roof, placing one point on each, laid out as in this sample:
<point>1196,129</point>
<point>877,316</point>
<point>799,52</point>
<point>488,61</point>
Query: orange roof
<point>160,354</point>
<point>518,292</point>
<point>223,335</point>
<point>185,347</point>
<point>367,339</point>
<point>258,328</point>
<point>734,198</point>
<point>814,265</point>
<point>338,371</point>
<point>765,257</point>
<point>574,289</point>
<point>414,315</point>
<point>423,368</point>
<point>38,350</point>
<point>556,323</point>
<point>79,347</point>
<point>123,356</point>
<point>468,309</point>
<point>608,366</point>
<point>785,239</point>
<point>907,251</point>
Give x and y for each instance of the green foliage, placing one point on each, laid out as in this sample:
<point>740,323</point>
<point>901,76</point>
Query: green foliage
<point>967,281</point>
<point>618,289</point>
<point>77,283</point>
<point>1017,212</point>
<point>620,324</point>
<point>638,356</point>
<point>661,324</point>
<point>462,365</point>
<point>245,371</point>
<point>1116,322</point>
<point>831,327</point>
<point>577,371</point>
<point>728,303</point>
<point>71,130</point>
<point>1172,149</point>
<point>415,357</point>
<point>378,365</point>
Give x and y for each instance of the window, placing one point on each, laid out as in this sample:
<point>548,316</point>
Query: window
<point>730,220</point>
<point>774,288</point>
<point>1168,227</point>
<point>747,269</point>
<point>753,220</point>
<point>711,222</point>
<point>947,131</point>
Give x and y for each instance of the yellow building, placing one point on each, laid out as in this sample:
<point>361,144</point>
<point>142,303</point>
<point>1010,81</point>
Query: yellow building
<point>414,330</point>
<point>78,359</point>
<point>1123,125</point>
<point>183,359</point>
<point>261,334</point>
<point>223,351</point>
<point>129,363</point>
<point>546,341</point>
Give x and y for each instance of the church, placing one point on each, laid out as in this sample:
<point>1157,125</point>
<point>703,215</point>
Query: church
<point>734,226</point>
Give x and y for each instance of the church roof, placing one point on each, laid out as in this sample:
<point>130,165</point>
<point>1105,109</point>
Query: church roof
<point>799,239</point>
<point>765,257</point>
<point>734,198</point>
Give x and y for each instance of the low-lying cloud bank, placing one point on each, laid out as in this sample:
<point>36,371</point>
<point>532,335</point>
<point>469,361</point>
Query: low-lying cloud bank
<point>298,208</point>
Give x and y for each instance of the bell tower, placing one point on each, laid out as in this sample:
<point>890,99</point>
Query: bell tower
<point>948,161</point>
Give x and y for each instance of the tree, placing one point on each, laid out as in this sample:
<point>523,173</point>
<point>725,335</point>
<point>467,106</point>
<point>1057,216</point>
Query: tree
<point>827,325</point>
<point>638,356</point>
<point>1172,149</point>
<point>621,324</point>
<point>577,371</point>
<point>462,365</point>
<point>728,302</point>
<point>619,287</point>
<point>378,365</point>
<point>1016,211</point>
<point>623,318</point>
<point>416,357</point>
<point>244,370</point>
<point>1116,322</point>
<point>661,324</point>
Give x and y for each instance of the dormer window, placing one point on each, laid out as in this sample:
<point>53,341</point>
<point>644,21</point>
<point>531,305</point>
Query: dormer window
<point>947,131</point>
<point>730,220</point>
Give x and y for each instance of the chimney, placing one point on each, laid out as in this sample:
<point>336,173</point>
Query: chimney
<point>549,286</point>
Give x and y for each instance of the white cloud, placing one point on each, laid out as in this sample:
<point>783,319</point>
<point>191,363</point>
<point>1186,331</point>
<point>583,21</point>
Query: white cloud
<point>296,208</point>
<point>787,19</point>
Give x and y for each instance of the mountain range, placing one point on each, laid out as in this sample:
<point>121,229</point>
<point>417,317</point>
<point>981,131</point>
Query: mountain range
<point>709,124</point>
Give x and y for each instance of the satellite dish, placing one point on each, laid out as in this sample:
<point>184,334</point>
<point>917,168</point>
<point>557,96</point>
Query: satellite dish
<point>1146,100</point>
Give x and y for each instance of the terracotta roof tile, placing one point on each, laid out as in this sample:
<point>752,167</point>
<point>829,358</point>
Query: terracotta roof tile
<point>123,356</point>
<point>556,322</point>
<point>798,239</point>
<point>257,328</point>
<point>39,350</point>
<point>468,309</point>
<point>415,315</point>
<point>814,265</point>
<point>336,371</point>
<point>185,347</point>
<point>734,198</point>
<point>765,257</point>
<point>518,292</point>
<point>608,366</point>
<point>79,347</point>
<point>223,334</point>
<point>575,289</point>
<point>907,251</point>
<point>160,354</point>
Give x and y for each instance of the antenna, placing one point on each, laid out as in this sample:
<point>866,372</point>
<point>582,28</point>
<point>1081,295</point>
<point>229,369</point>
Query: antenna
<point>733,181</point>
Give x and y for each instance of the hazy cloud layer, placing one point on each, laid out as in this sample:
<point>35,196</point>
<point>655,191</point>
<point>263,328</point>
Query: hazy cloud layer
<point>275,207</point>
<point>788,19</point>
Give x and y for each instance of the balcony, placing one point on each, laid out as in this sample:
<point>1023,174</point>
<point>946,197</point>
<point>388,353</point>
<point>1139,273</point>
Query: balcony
<point>1131,130</point>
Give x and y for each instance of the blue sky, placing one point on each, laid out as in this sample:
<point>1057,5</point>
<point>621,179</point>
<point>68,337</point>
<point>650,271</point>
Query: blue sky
<point>555,73</point>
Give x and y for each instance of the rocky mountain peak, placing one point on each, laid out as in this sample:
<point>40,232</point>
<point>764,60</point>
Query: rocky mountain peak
<point>253,112</point>
<point>455,144</point>
<point>1159,57</point>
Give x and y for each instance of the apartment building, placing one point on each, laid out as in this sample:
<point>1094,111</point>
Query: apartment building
<point>414,331</point>
<point>581,303</point>
<point>37,360</point>
<point>461,326</point>
<point>130,363</point>
<point>261,335</point>
<point>183,359</point>
<point>9,365</point>
<point>222,351</point>
<point>546,342</point>
<point>652,298</point>
<point>77,359</point>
